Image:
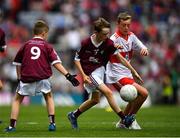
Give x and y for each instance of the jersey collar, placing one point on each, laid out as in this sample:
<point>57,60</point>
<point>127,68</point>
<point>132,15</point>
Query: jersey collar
<point>94,43</point>
<point>118,32</point>
<point>38,37</point>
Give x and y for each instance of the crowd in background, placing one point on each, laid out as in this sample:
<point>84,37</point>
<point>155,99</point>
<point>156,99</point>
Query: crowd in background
<point>155,22</point>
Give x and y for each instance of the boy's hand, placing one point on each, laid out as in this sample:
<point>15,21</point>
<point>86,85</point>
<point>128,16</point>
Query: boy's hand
<point>144,52</point>
<point>118,46</point>
<point>86,79</point>
<point>72,79</point>
<point>138,78</point>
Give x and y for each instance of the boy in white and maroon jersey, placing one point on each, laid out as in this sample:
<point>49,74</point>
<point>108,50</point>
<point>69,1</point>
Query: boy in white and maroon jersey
<point>33,64</point>
<point>119,75</point>
<point>91,60</point>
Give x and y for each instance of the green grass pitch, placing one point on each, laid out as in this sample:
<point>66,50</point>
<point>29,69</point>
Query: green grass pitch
<point>156,121</point>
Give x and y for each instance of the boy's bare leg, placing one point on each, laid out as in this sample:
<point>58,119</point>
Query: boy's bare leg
<point>134,106</point>
<point>15,109</point>
<point>95,98</point>
<point>108,94</point>
<point>1,85</point>
<point>49,103</point>
<point>51,111</point>
<point>16,106</point>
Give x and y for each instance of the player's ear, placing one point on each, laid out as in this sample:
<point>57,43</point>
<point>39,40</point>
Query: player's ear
<point>44,34</point>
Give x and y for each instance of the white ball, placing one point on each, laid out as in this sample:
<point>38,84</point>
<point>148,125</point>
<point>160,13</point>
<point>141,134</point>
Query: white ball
<point>128,93</point>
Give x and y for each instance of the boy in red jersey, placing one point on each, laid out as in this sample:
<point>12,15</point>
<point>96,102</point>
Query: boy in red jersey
<point>117,74</point>
<point>91,60</point>
<point>33,65</point>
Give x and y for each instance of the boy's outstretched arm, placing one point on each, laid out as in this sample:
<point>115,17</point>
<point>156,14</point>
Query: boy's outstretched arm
<point>86,78</point>
<point>68,76</point>
<point>128,65</point>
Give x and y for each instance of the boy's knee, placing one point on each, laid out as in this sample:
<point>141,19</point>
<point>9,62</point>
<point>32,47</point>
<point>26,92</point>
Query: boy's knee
<point>95,101</point>
<point>1,86</point>
<point>108,94</point>
<point>144,94</point>
<point>48,95</point>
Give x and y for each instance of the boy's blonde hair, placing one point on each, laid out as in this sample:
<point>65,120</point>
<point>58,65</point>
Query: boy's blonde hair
<point>123,16</point>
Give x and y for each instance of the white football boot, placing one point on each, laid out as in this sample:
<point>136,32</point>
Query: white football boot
<point>120,125</point>
<point>135,125</point>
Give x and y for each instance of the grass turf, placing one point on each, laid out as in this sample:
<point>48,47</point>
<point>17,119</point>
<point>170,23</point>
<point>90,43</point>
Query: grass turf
<point>157,121</point>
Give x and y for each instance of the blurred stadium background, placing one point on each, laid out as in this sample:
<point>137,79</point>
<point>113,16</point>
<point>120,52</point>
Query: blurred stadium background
<point>155,22</point>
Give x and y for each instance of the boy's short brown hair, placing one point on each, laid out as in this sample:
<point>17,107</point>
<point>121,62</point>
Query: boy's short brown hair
<point>123,16</point>
<point>39,27</point>
<point>100,24</point>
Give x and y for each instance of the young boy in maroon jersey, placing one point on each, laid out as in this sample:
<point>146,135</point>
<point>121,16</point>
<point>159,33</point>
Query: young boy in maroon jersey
<point>2,48</point>
<point>91,60</point>
<point>2,42</point>
<point>2,45</point>
<point>33,65</point>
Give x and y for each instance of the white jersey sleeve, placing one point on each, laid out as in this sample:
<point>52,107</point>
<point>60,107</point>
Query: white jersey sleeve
<point>137,44</point>
<point>77,57</point>
<point>115,40</point>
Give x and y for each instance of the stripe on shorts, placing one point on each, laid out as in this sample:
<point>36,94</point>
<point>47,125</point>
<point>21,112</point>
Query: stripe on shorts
<point>94,82</point>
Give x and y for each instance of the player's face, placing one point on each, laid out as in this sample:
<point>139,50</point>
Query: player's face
<point>104,34</point>
<point>124,26</point>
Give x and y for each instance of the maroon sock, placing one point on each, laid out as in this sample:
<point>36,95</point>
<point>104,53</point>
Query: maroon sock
<point>51,118</point>
<point>12,122</point>
<point>121,115</point>
<point>77,113</point>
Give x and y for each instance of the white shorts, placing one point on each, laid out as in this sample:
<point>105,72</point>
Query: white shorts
<point>115,72</point>
<point>97,78</point>
<point>32,89</point>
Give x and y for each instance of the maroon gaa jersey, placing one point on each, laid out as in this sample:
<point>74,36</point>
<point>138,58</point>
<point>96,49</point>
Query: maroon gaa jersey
<point>92,57</point>
<point>2,41</point>
<point>35,58</point>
